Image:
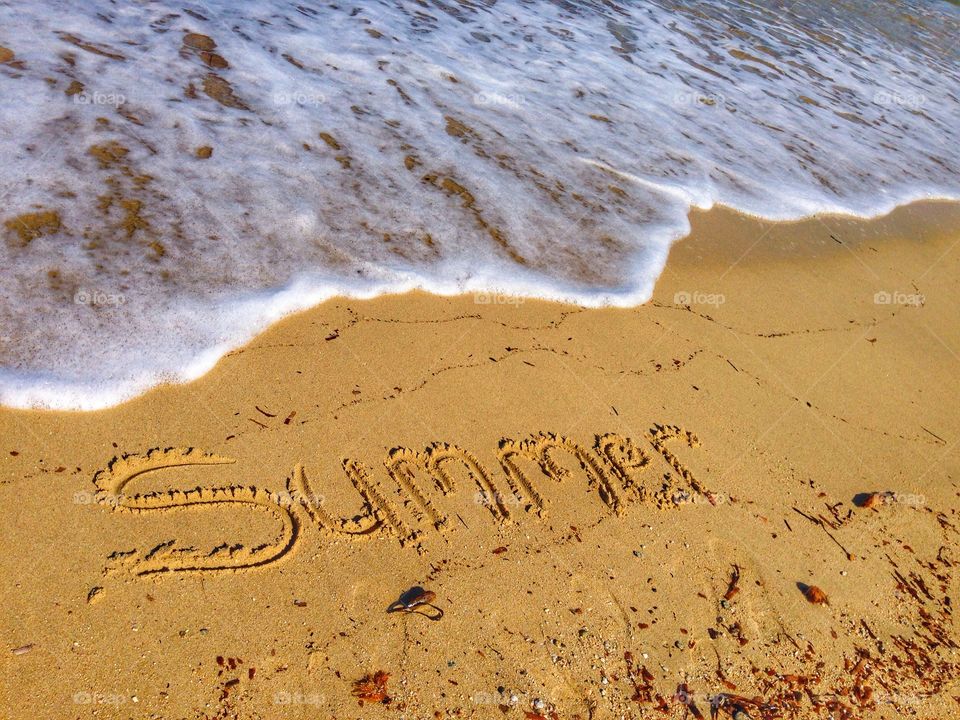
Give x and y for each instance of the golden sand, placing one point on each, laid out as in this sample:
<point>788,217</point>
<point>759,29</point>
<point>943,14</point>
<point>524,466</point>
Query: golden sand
<point>30,226</point>
<point>614,513</point>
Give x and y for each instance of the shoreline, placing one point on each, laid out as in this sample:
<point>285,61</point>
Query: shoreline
<point>617,509</point>
<point>719,236</point>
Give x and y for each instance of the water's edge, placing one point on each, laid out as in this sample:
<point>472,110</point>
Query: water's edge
<point>261,310</point>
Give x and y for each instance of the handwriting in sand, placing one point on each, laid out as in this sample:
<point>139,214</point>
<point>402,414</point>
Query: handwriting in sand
<point>620,470</point>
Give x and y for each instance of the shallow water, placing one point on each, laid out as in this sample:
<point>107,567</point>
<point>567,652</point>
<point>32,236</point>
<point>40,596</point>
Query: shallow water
<point>177,176</point>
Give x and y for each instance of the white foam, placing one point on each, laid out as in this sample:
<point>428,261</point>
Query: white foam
<point>544,149</point>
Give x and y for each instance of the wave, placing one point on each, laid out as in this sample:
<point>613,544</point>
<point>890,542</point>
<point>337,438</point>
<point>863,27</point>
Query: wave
<point>179,176</point>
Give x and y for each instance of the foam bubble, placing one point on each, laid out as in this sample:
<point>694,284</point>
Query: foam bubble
<point>175,178</point>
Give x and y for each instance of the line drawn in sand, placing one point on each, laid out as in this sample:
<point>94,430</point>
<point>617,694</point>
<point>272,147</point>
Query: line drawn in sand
<point>111,485</point>
<point>616,468</point>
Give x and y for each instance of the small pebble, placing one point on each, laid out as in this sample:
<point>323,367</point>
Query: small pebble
<point>725,604</point>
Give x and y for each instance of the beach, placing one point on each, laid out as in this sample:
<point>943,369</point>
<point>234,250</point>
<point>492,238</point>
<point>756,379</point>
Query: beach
<point>739,499</point>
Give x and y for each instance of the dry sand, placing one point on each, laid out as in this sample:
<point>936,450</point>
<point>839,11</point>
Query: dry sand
<point>617,510</point>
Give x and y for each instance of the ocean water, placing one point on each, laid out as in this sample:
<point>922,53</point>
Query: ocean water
<point>176,176</point>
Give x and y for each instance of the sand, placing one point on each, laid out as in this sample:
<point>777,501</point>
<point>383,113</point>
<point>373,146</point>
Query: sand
<point>621,512</point>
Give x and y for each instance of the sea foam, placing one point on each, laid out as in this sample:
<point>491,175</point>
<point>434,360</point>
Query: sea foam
<point>176,176</point>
